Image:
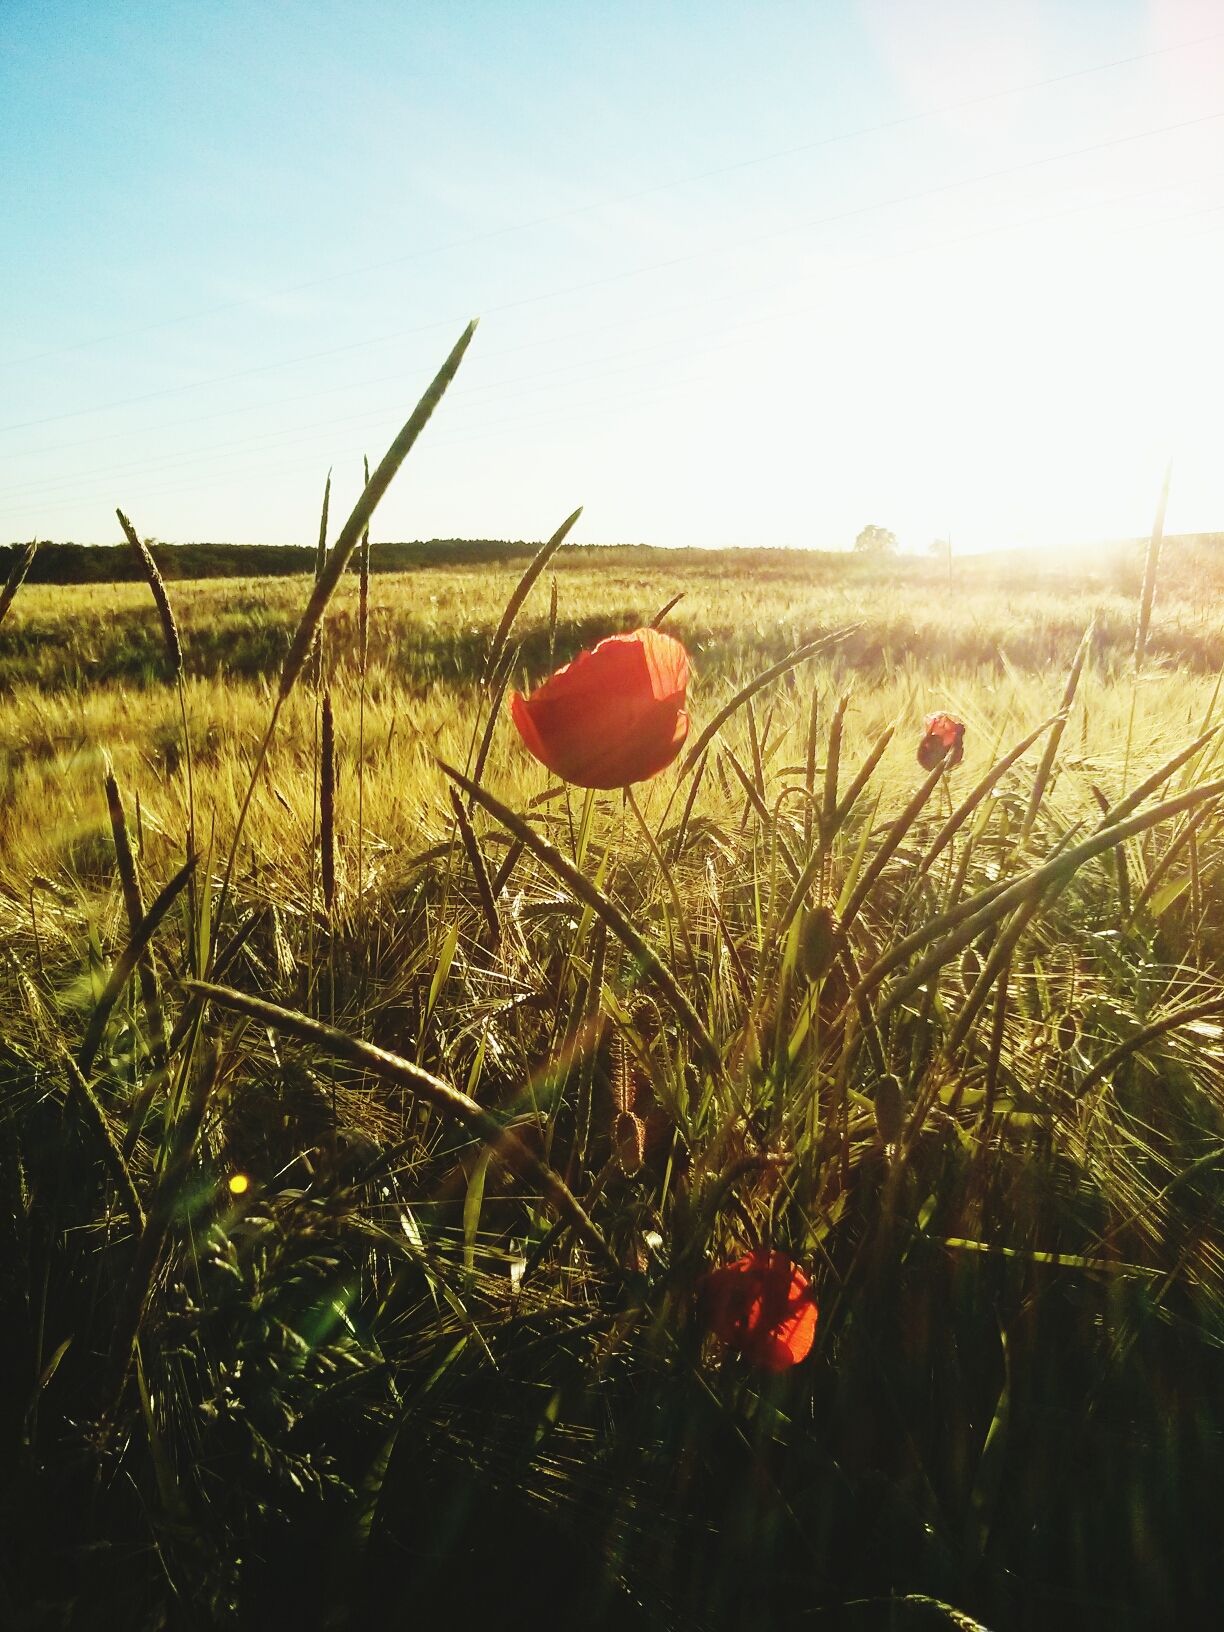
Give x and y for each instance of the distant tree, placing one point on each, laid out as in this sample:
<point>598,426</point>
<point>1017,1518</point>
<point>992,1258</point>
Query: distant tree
<point>940,548</point>
<point>876,541</point>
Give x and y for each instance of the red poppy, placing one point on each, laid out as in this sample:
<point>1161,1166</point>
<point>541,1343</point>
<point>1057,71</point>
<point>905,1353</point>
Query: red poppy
<point>763,1307</point>
<point>613,716</point>
<point>944,737</point>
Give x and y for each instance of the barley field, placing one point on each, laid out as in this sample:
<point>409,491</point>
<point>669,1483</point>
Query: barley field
<point>380,1110</point>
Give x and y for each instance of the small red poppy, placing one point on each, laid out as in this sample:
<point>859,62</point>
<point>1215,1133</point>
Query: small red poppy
<point>613,716</point>
<point>763,1307</point>
<point>944,738</point>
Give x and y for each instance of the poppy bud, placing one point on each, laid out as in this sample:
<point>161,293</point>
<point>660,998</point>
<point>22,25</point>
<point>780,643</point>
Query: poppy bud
<point>629,1137</point>
<point>889,1109</point>
<point>944,738</point>
<point>817,942</point>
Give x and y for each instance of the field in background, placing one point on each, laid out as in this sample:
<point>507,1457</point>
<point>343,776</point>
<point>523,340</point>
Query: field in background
<point>986,1114</point>
<point>81,674</point>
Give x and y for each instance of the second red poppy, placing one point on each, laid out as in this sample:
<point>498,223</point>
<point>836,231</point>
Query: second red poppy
<point>762,1307</point>
<point>943,738</point>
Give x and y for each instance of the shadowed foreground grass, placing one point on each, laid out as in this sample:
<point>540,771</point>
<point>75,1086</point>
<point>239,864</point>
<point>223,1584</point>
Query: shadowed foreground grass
<point>293,1338</point>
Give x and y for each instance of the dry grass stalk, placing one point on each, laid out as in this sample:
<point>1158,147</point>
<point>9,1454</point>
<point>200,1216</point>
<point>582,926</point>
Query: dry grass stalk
<point>668,606</point>
<point>1046,768</point>
<point>334,568</point>
<point>484,889</point>
<point>363,653</point>
<point>161,595</point>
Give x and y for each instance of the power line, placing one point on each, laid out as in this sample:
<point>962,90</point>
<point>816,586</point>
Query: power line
<point>517,422</point>
<point>903,120</point>
<point>681,308</point>
<point>631,272</point>
<point>498,387</point>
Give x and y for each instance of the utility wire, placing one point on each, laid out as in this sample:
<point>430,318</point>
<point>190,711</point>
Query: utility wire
<point>705,254</point>
<point>980,100</point>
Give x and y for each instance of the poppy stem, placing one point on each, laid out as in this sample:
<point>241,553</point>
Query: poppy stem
<point>661,864</point>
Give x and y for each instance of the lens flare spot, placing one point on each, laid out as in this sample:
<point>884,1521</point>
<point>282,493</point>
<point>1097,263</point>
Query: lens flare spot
<point>239,1184</point>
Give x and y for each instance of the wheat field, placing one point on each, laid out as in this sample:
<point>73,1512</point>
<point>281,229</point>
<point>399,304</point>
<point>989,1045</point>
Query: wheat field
<point>376,1105</point>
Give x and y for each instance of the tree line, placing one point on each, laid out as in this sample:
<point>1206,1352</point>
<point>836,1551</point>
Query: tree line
<point>115,563</point>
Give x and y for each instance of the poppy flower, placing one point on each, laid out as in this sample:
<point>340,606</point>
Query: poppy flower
<point>613,716</point>
<point>944,736</point>
<point>762,1307</point>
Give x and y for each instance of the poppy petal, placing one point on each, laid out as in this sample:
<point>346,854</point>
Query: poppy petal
<point>613,716</point>
<point>762,1307</point>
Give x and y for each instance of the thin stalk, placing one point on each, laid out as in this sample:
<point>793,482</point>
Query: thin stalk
<point>337,562</point>
<point>1150,567</point>
<point>363,642</point>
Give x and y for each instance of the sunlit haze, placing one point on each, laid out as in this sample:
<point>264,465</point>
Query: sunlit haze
<point>746,275</point>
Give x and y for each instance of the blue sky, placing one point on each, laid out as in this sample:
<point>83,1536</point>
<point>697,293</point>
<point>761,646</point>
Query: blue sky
<point>746,273</point>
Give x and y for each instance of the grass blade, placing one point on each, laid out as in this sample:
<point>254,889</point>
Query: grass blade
<point>523,588</point>
<point>446,1100</point>
<point>129,884</point>
<point>484,889</point>
<point>1042,779</point>
<point>775,670</point>
<point>351,533</point>
<point>127,962</point>
<point>22,561</point>
<point>1148,1034</point>
<point>603,908</point>
<point>1150,567</point>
